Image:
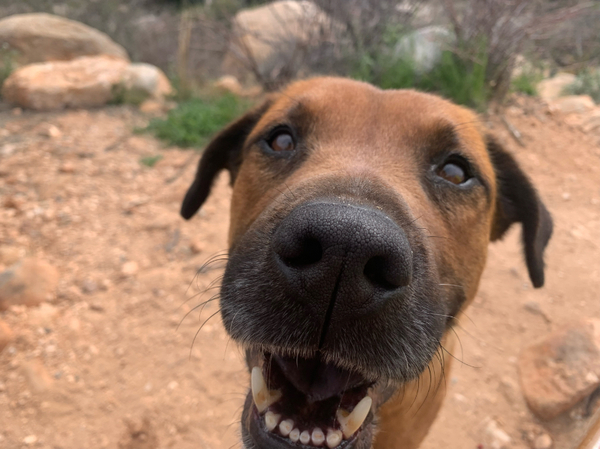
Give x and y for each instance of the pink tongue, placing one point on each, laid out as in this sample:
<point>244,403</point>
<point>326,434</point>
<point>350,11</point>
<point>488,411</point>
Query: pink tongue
<point>316,379</point>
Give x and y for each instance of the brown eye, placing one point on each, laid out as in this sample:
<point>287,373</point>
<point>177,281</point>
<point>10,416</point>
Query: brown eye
<point>282,142</point>
<point>452,172</point>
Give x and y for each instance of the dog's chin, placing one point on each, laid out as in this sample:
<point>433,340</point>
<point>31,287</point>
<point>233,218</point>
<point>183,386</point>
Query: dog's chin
<point>306,403</point>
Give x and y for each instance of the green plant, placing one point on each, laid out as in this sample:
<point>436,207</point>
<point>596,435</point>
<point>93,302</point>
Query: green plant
<point>150,161</point>
<point>7,65</point>
<point>587,83</point>
<point>525,83</point>
<point>459,75</point>
<point>193,122</point>
<point>120,94</point>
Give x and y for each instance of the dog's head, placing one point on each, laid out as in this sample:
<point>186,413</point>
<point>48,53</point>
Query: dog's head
<point>359,225</point>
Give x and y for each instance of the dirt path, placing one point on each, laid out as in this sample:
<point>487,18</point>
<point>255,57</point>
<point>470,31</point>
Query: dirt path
<point>110,362</point>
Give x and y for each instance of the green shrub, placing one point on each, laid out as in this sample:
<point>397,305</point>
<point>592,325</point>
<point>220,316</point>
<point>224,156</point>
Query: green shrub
<point>7,65</point>
<point>460,79</point>
<point>525,83</point>
<point>193,122</point>
<point>587,83</point>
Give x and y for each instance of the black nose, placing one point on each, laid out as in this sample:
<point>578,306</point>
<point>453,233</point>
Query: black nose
<point>342,254</point>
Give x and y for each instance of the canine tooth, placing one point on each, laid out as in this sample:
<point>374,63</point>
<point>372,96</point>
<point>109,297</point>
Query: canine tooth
<point>334,438</point>
<point>318,437</point>
<point>286,426</point>
<point>263,397</point>
<point>351,422</point>
<point>271,420</point>
<point>305,437</point>
<point>294,435</point>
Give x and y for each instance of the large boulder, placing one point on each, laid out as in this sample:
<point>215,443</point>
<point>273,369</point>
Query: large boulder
<point>275,38</point>
<point>424,47</point>
<point>89,81</point>
<point>562,369</point>
<point>147,80</point>
<point>43,37</point>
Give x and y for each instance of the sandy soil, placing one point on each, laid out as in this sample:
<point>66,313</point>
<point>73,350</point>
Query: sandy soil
<point>115,361</point>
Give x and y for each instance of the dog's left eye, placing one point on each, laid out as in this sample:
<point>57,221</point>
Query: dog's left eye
<point>454,171</point>
<point>282,142</point>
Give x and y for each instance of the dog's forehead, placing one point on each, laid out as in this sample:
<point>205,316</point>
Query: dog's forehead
<point>347,110</point>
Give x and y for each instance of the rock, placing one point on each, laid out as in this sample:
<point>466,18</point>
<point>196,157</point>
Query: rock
<point>139,435</point>
<point>84,82</point>
<point>6,335</point>
<point>43,37</point>
<point>573,104</point>
<point>229,84</point>
<point>552,88</point>
<point>495,437</point>
<point>67,167</point>
<point>196,247</point>
<point>29,282</point>
<point>30,440</point>
<point>147,80</point>
<point>152,107</point>
<point>562,369</point>
<point>424,46</point>
<point>51,131</point>
<point>129,268</point>
<point>275,37</point>
<point>38,378</point>
<point>544,441</point>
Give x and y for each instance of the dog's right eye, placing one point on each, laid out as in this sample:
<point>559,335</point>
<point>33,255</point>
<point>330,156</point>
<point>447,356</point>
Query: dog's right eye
<point>281,142</point>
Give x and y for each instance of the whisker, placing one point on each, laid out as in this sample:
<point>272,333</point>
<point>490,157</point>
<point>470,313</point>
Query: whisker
<point>198,331</point>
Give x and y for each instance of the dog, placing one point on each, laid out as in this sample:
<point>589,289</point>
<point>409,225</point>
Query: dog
<point>360,220</point>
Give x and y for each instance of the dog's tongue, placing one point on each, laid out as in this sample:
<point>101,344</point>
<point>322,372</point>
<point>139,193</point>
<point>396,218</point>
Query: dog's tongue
<point>316,379</point>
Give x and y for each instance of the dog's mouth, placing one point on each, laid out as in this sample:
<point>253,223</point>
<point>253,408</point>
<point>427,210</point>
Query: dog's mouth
<point>300,402</point>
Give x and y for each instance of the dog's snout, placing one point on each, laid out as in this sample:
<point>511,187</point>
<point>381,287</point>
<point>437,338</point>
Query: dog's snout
<point>355,255</point>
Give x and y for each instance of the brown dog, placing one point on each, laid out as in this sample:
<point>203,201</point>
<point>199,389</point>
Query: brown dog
<point>360,221</point>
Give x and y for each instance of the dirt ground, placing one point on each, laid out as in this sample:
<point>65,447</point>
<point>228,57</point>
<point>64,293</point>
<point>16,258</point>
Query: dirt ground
<point>114,361</point>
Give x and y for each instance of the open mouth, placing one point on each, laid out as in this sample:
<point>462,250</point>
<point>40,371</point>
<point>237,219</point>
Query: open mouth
<point>302,402</point>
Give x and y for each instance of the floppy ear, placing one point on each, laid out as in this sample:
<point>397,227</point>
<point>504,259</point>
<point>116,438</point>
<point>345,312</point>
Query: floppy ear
<point>223,152</point>
<point>518,201</point>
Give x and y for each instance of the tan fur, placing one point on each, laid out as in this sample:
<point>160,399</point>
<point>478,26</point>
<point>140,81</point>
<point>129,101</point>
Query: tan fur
<point>373,134</point>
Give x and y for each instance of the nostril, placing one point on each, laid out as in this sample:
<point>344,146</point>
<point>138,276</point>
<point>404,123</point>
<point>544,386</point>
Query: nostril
<point>379,272</point>
<point>308,252</point>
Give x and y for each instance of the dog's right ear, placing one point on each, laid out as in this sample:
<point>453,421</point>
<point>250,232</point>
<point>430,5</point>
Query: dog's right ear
<point>223,152</point>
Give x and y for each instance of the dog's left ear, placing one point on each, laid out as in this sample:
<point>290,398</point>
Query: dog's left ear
<point>518,201</point>
<point>223,152</point>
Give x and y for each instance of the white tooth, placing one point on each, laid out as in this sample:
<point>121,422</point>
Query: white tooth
<point>286,426</point>
<point>294,435</point>
<point>305,437</point>
<point>351,422</point>
<point>263,397</point>
<point>318,437</point>
<point>334,438</point>
<point>271,420</point>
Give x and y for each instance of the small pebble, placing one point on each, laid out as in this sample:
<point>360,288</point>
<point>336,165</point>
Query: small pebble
<point>30,439</point>
<point>129,268</point>
<point>543,442</point>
